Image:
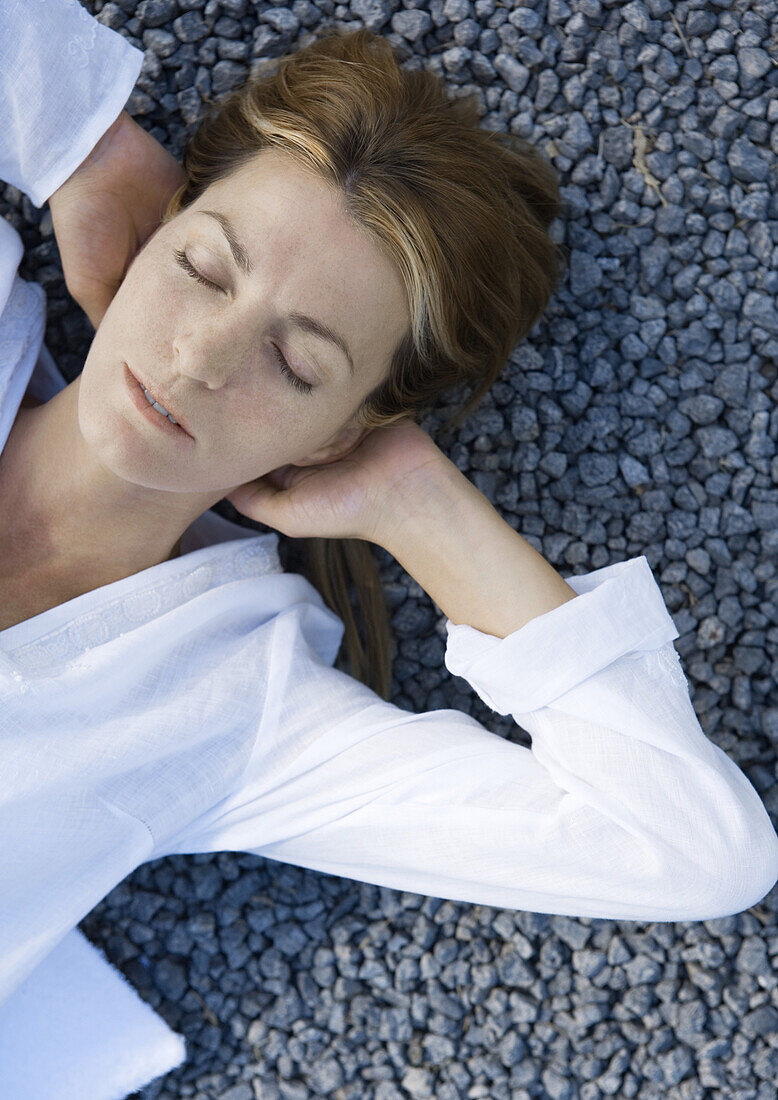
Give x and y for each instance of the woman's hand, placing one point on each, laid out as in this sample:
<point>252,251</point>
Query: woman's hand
<point>108,208</point>
<point>356,496</point>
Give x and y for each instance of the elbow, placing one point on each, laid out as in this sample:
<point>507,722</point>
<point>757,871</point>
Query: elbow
<point>737,874</point>
<point>740,883</point>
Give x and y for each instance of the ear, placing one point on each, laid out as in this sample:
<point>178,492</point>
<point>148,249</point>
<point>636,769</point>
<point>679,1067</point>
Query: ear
<point>335,448</point>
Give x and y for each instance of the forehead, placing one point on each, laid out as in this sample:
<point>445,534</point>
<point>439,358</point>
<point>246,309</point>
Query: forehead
<point>273,198</point>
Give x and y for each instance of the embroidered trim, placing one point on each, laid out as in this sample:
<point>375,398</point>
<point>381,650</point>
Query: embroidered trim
<point>81,43</point>
<point>46,654</point>
<point>670,660</point>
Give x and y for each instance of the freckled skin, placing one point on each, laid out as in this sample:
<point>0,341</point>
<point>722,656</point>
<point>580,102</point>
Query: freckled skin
<point>99,493</point>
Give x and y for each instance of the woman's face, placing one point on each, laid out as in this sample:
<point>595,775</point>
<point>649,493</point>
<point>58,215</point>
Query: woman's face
<point>214,350</point>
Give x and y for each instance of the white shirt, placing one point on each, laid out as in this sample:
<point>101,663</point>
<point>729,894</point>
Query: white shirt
<point>194,706</point>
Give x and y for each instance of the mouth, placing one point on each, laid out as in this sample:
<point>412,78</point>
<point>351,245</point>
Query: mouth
<point>150,403</point>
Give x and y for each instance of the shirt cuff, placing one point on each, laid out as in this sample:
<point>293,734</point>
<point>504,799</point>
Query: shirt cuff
<point>618,610</point>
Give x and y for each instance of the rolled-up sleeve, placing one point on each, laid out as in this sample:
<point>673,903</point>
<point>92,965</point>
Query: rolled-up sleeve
<point>621,808</point>
<point>64,79</point>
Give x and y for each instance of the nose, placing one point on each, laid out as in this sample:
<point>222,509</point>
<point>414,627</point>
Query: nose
<point>198,364</point>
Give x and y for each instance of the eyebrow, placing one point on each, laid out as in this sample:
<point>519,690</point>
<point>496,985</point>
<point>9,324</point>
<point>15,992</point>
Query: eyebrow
<point>299,320</point>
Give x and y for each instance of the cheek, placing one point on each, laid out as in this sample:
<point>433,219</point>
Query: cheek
<point>150,297</point>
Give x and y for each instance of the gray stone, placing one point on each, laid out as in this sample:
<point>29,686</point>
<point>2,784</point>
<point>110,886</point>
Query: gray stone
<point>411,24</point>
<point>585,273</point>
<point>515,75</point>
<point>753,63</point>
<point>746,162</point>
<point>761,309</point>
<point>636,14</point>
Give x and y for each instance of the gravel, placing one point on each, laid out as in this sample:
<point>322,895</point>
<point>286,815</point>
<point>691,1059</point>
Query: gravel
<point>639,417</point>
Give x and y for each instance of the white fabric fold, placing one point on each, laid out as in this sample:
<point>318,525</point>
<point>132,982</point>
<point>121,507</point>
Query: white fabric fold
<point>76,1029</point>
<point>621,808</point>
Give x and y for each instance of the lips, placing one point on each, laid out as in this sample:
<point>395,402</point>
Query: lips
<point>159,407</point>
<point>161,398</point>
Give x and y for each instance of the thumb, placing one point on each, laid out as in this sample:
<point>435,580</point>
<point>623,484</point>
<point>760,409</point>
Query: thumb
<point>256,499</point>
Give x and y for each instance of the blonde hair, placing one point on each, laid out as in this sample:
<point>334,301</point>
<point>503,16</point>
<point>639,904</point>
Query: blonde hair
<point>462,211</point>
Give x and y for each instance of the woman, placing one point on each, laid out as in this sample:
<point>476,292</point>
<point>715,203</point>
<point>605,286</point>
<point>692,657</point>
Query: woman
<point>168,688</point>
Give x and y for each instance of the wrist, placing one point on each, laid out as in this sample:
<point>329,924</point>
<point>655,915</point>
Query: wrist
<point>471,563</point>
<point>434,499</point>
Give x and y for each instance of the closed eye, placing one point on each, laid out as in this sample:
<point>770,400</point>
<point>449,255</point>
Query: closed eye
<point>295,380</point>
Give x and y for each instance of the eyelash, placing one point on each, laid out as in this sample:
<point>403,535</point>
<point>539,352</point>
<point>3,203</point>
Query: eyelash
<point>183,260</point>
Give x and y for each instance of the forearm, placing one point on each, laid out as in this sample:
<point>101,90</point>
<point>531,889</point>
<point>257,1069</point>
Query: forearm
<point>98,153</point>
<point>472,564</point>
